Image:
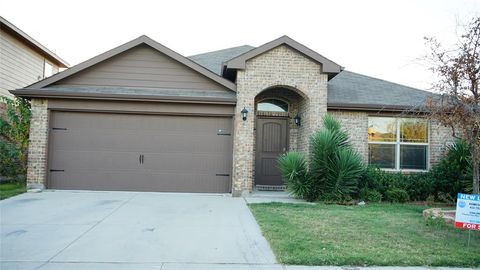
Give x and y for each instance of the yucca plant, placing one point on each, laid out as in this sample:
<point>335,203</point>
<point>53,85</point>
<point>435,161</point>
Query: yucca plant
<point>333,167</point>
<point>294,169</point>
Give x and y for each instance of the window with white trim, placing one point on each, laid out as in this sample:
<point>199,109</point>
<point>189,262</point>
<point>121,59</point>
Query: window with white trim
<point>398,143</point>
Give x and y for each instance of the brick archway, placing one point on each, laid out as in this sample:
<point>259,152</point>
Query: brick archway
<point>279,67</point>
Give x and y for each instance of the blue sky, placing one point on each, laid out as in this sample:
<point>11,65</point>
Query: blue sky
<point>382,39</point>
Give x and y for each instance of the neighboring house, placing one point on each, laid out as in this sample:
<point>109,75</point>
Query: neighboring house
<point>141,117</point>
<point>23,60</point>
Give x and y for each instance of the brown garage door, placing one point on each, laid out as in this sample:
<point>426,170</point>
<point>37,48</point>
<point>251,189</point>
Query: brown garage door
<point>100,151</point>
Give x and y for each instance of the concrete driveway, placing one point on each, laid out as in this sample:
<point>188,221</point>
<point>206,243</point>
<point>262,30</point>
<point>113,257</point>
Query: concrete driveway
<point>130,230</point>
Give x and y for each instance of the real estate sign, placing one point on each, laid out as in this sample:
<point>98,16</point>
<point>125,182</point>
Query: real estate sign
<point>467,215</point>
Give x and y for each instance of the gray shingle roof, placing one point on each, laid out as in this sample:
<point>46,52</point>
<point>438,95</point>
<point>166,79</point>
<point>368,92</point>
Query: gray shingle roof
<point>345,90</point>
<point>353,89</point>
<point>214,60</point>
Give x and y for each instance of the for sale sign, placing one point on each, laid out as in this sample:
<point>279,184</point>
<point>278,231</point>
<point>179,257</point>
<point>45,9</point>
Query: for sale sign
<point>467,215</point>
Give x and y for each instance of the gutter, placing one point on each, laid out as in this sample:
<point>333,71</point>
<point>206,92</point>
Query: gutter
<point>373,107</point>
<point>34,93</point>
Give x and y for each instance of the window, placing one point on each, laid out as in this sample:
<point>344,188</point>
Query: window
<point>47,70</point>
<point>272,105</point>
<point>398,143</point>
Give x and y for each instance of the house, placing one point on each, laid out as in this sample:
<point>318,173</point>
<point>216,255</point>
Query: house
<point>23,60</point>
<point>142,117</point>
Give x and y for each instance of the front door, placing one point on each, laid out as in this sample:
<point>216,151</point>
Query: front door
<point>271,142</point>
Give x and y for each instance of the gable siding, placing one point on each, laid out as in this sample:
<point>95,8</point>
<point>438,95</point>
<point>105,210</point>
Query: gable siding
<point>19,64</point>
<point>142,67</point>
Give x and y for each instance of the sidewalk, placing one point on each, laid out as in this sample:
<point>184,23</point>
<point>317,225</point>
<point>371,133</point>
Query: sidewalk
<point>193,266</point>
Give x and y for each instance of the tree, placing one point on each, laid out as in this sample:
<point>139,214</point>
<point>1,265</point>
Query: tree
<point>14,134</point>
<point>458,104</point>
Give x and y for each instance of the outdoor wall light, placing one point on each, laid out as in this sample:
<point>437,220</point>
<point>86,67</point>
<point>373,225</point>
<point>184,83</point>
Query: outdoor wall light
<point>298,120</point>
<point>244,113</point>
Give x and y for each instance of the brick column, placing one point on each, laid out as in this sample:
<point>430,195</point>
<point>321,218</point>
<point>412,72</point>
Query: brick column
<point>243,140</point>
<point>37,149</point>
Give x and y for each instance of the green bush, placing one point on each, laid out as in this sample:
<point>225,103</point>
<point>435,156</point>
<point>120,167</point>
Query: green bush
<point>418,185</point>
<point>397,195</point>
<point>453,174</point>
<point>293,167</point>
<point>14,133</point>
<point>370,195</point>
<point>333,168</point>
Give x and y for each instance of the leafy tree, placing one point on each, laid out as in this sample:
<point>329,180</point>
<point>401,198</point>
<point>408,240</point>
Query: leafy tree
<point>14,133</point>
<point>333,168</point>
<point>458,104</point>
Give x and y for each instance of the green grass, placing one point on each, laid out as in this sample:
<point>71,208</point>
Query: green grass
<point>378,234</point>
<point>8,190</point>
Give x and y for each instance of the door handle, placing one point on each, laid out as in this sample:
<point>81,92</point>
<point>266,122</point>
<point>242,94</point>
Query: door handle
<point>143,158</point>
<point>140,159</point>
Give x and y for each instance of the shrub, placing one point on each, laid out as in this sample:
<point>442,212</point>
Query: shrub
<point>293,167</point>
<point>333,167</point>
<point>397,195</point>
<point>418,185</point>
<point>14,132</point>
<point>370,195</point>
<point>453,173</point>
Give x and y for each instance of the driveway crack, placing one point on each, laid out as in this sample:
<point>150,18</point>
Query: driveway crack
<point>91,228</point>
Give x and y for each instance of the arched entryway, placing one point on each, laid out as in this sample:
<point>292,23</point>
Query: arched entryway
<point>278,123</point>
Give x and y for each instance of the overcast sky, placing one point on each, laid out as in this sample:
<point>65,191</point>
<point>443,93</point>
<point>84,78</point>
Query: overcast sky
<point>380,38</point>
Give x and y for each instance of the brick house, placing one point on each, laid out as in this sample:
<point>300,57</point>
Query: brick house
<point>142,117</point>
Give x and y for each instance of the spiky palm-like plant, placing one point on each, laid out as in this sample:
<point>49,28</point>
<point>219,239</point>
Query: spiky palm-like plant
<point>333,167</point>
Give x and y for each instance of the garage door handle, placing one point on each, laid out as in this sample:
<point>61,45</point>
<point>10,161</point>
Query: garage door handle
<point>141,159</point>
<point>222,174</point>
<point>57,170</point>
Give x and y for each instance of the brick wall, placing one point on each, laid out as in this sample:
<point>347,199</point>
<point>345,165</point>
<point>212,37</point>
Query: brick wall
<point>37,149</point>
<point>356,125</point>
<point>279,67</point>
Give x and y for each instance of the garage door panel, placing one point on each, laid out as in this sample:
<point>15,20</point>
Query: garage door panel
<point>129,180</point>
<point>101,151</point>
<point>95,160</point>
<point>195,162</point>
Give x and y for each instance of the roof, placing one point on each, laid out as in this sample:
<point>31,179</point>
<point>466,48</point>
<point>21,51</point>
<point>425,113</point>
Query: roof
<point>346,90</point>
<point>214,60</point>
<point>356,91</point>
<point>33,43</point>
<point>122,48</point>
<point>328,66</point>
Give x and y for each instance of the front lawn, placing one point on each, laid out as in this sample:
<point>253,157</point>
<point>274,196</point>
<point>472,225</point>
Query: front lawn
<point>378,234</point>
<point>8,190</point>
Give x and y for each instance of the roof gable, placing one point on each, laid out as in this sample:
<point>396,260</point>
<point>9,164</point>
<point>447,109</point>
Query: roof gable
<point>328,66</point>
<point>138,68</point>
<point>19,34</point>
<point>142,40</point>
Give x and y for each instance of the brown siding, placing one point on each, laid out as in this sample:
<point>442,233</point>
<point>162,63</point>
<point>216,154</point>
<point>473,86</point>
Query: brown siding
<point>142,66</point>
